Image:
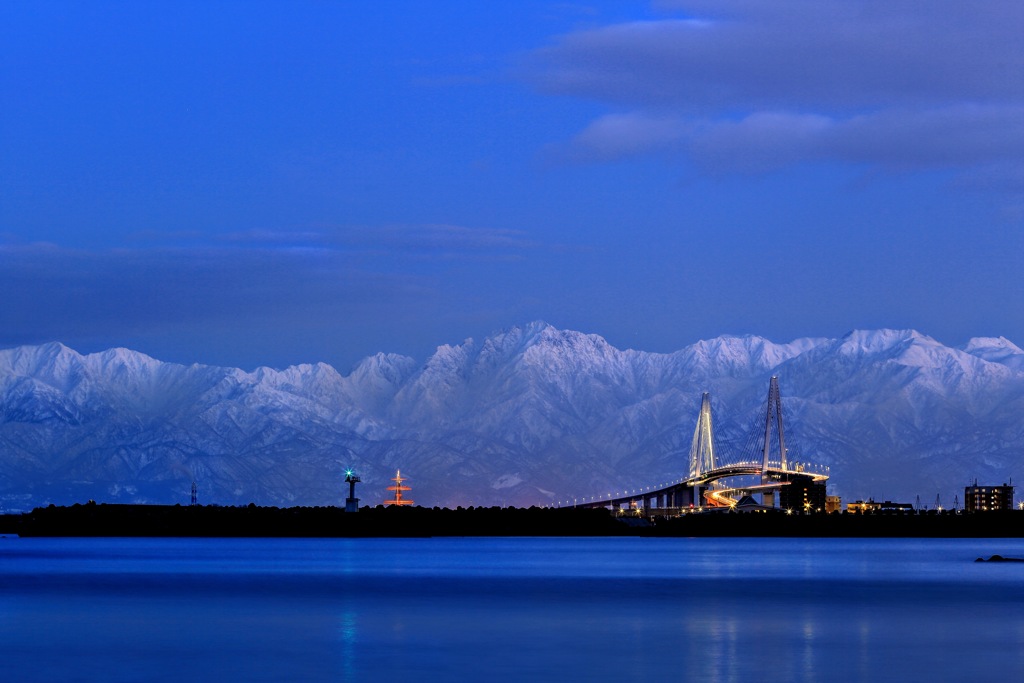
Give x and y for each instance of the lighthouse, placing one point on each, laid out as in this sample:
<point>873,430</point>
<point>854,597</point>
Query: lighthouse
<point>351,503</point>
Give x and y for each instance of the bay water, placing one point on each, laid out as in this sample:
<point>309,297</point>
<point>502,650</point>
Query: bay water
<point>510,609</point>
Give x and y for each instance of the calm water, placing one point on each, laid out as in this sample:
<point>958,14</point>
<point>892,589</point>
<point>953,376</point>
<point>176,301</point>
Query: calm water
<point>607,609</point>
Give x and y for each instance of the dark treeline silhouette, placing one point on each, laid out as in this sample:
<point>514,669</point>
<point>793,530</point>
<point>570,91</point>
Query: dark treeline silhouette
<point>167,520</point>
<point>211,521</point>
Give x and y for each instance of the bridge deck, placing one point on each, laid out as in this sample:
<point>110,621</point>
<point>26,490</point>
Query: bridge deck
<point>723,472</point>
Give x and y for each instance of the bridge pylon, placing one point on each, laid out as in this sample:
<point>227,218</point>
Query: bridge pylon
<point>702,449</point>
<point>773,416</point>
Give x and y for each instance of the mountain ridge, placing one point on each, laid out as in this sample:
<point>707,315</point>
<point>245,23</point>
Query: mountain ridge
<point>527,415</point>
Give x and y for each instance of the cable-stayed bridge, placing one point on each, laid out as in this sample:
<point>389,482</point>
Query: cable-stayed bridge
<point>765,460</point>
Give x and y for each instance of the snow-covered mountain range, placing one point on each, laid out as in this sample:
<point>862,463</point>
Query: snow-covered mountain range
<point>529,415</point>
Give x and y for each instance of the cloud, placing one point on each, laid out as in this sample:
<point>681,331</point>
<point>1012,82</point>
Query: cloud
<point>224,301</point>
<point>435,239</point>
<point>744,85</point>
<point>615,136</point>
<point>830,53</point>
<point>964,135</point>
<point>51,284</point>
<point>894,139</point>
<point>261,296</point>
<point>423,240</point>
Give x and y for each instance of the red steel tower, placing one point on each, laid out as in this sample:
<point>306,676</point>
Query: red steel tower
<point>398,488</point>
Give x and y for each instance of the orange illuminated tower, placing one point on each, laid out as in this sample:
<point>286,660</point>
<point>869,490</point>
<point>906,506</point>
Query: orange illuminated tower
<point>398,488</point>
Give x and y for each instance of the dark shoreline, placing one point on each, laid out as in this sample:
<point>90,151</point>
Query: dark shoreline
<point>331,522</point>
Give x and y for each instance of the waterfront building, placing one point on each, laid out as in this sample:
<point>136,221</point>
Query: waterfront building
<point>889,506</point>
<point>870,505</point>
<point>862,506</point>
<point>833,504</point>
<point>803,494</point>
<point>988,498</point>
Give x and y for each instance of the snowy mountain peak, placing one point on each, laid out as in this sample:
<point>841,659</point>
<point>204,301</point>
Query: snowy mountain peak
<point>24,360</point>
<point>996,350</point>
<point>864,342</point>
<point>392,367</point>
<point>745,354</point>
<point>297,376</point>
<point>539,328</point>
<point>121,361</point>
<point>374,380</point>
<point>515,340</point>
<point>448,356</point>
<point>984,345</point>
<point>731,345</point>
<point>544,350</point>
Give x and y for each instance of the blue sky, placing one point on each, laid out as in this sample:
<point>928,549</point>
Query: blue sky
<point>250,183</point>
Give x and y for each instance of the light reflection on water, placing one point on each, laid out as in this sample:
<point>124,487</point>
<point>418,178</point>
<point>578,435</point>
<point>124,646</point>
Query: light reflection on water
<point>492,609</point>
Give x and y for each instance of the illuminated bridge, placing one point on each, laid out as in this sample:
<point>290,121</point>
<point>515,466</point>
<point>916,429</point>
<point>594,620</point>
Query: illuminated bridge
<point>706,484</point>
